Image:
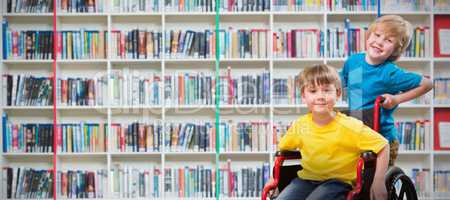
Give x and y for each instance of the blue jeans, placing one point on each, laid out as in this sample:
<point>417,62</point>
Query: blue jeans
<point>300,189</point>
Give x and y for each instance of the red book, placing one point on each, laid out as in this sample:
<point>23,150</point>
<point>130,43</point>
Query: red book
<point>289,44</point>
<point>121,138</point>
<point>15,138</point>
<point>64,92</point>
<point>440,22</point>
<point>440,115</point>
<point>230,86</point>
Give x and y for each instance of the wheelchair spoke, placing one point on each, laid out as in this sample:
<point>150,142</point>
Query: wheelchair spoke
<point>394,196</point>
<point>402,192</point>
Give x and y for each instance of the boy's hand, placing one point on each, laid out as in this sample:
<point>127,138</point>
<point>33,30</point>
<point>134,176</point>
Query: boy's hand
<point>390,101</point>
<point>273,193</point>
<point>378,190</point>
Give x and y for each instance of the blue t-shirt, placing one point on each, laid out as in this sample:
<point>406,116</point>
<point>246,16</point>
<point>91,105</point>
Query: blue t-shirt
<point>364,82</point>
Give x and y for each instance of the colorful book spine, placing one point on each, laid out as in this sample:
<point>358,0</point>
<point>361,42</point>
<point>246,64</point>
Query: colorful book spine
<point>134,88</point>
<point>137,137</point>
<point>26,183</point>
<point>82,183</point>
<point>414,136</point>
<point>302,43</point>
<point>133,182</point>
<point>27,138</point>
<point>134,6</point>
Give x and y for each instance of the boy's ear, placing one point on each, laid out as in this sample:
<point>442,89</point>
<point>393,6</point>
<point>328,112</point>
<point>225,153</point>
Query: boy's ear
<point>339,92</point>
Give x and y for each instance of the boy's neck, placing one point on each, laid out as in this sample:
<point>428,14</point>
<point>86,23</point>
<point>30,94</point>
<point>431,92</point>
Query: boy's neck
<point>372,61</point>
<point>323,119</point>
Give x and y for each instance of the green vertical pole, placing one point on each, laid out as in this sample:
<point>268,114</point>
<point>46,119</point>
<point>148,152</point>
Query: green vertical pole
<point>217,100</point>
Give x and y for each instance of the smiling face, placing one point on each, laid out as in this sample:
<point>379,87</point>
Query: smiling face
<point>380,47</point>
<point>387,38</point>
<point>320,99</point>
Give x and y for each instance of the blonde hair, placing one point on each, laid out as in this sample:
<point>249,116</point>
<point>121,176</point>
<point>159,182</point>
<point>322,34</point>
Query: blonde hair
<point>393,26</point>
<point>320,74</point>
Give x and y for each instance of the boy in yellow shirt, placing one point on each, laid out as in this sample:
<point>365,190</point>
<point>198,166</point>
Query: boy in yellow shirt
<point>330,143</point>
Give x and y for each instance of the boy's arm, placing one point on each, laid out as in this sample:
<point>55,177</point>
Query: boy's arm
<point>378,189</point>
<point>290,141</point>
<point>393,100</point>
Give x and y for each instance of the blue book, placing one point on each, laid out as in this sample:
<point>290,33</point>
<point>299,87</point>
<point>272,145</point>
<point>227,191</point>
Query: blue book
<point>4,40</point>
<point>4,121</point>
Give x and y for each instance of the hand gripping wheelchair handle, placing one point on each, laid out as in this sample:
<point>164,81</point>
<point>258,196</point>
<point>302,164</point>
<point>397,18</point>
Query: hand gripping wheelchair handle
<point>368,161</point>
<point>280,157</point>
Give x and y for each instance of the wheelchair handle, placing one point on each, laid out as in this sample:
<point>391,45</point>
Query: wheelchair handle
<point>376,113</point>
<point>276,176</point>
<point>280,157</point>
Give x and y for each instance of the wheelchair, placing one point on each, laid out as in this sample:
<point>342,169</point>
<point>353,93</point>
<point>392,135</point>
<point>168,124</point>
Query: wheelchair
<point>398,185</point>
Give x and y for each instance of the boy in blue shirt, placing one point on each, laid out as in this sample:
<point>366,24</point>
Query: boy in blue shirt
<point>374,73</point>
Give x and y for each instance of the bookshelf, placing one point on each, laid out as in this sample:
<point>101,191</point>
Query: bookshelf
<point>161,19</point>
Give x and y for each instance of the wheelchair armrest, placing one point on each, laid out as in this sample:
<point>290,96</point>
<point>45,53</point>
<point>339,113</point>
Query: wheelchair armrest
<point>369,158</point>
<point>289,154</point>
<point>367,161</point>
<point>280,157</point>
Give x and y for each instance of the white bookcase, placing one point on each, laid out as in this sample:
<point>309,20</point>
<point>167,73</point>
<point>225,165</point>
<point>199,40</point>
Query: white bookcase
<point>162,21</point>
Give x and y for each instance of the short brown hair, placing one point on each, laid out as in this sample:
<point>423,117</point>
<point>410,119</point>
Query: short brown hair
<point>320,74</point>
<point>393,26</point>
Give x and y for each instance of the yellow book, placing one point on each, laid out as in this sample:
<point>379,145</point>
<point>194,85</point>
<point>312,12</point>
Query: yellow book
<point>234,45</point>
<point>150,135</point>
<point>234,137</point>
<point>85,144</point>
<point>149,44</point>
<point>101,138</point>
<point>417,137</point>
<point>94,45</point>
<point>85,50</point>
<point>417,48</point>
<point>94,139</point>
<point>69,45</point>
<point>69,139</point>
<point>101,45</point>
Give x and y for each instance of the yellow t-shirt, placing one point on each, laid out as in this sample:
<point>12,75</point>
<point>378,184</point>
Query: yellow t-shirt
<point>331,151</point>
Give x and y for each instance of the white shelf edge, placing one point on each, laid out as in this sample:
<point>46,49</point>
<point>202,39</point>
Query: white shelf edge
<point>82,154</point>
<point>81,14</point>
<point>331,13</point>
<point>298,59</point>
<point>441,59</point>
<point>81,107</point>
<point>28,15</point>
<point>27,107</point>
<point>76,61</point>
<point>26,154</point>
<point>115,153</point>
<point>126,14</point>
<point>419,13</point>
<point>442,152</point>
<point>135,60</point>
<point>21,61</point>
